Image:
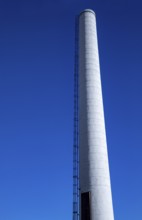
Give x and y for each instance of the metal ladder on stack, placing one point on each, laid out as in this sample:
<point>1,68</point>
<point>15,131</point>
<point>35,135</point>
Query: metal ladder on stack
<point>75,134</point>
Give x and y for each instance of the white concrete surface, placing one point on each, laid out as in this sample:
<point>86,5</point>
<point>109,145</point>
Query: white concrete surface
<point>94,168</point>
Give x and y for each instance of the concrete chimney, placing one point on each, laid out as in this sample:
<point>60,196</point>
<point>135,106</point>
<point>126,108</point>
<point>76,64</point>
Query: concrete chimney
<point>95,187</point>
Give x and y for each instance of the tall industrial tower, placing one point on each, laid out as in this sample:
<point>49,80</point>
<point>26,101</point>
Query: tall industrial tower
<point>92,188</point>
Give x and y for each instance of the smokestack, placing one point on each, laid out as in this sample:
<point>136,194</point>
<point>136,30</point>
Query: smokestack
<point>95,187</point>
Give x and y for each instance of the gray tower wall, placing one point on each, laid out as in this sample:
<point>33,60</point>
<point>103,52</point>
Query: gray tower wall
<point>94,168</point>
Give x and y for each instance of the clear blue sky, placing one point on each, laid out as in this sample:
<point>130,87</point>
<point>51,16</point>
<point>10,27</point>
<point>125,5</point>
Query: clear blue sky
<point>36,105</point>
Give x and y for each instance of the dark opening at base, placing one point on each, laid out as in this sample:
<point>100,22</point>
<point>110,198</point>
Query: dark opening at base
<point>85,206</point>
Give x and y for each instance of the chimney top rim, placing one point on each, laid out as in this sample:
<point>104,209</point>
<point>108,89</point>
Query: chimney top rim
<point>87,10</point>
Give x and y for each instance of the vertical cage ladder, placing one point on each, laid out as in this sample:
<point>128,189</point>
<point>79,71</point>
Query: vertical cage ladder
<point>76,137</point>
